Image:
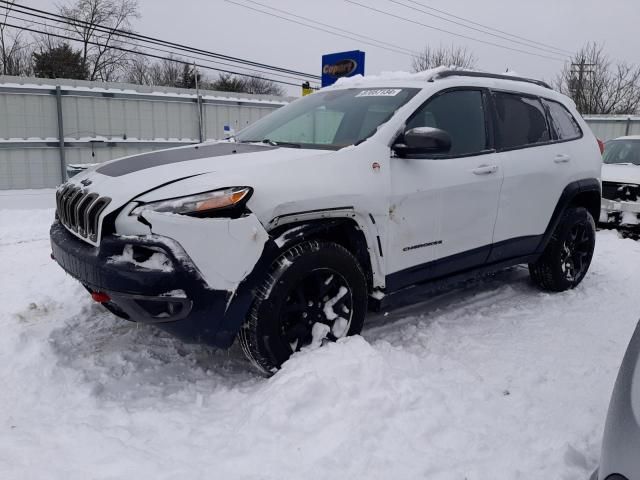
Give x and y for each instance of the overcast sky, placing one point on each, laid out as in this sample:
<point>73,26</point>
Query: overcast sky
<point>227,28</point>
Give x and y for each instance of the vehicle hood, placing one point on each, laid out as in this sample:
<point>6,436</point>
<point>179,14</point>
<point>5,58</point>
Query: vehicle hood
<point>224,164</point>
<point>286,181</point>
<point>621,173</point>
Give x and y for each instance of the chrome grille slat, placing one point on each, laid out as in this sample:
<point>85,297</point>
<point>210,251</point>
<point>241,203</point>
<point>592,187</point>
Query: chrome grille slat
<point>63,196</point>
<point>73,201</point>
<point>94,217</point>
<point>66,201</point>
<point>79,211</point>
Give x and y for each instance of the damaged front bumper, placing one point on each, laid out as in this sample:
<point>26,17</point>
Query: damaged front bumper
<point>170,294</point>
<point>619,213</point>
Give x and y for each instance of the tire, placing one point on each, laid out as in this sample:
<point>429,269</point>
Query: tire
<point>567,257</point>
<point>304,286</point>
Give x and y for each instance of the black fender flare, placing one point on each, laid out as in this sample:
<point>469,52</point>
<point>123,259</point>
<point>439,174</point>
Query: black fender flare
<point>586,193</point>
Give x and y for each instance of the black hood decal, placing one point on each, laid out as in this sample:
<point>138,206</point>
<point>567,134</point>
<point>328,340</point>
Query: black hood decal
<point>166,157</point>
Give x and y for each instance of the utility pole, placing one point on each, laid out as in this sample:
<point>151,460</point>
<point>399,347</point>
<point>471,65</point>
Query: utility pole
<point>577,84</point>
<point>198,104</point>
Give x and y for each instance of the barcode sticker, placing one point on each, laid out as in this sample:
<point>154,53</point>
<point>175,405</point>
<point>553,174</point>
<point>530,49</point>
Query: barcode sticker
<point>380,92</point>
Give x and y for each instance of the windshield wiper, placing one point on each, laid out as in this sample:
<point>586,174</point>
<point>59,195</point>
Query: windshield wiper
<point>274,143</point>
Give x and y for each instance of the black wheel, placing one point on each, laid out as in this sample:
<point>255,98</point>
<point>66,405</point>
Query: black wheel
<point>568,255</point>
<point>315,292</point>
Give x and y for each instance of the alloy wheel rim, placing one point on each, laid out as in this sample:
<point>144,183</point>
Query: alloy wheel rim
<point>321,297</point>
<point>575,252</point>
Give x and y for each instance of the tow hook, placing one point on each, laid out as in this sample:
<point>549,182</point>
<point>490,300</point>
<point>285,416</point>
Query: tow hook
<point>100,297</point>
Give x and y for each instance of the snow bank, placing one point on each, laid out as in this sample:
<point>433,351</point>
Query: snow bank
<point>390,76</point>
<point>27,199</point>
<point>492,380</point>
<point>358,80</point>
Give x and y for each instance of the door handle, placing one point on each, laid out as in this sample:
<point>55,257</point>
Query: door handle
<point>562,158</point>
<point>485,169</point>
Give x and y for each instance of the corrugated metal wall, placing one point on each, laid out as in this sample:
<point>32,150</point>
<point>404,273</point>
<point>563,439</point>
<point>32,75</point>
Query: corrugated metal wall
<point>102,121</point>
<point>607,127</point>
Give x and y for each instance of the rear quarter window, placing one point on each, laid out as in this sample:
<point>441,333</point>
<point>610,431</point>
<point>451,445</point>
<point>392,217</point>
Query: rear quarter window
<point>563,123</point>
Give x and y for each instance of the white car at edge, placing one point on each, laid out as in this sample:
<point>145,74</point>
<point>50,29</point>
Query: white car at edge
<point>336,204</point>
<point>621,183</point>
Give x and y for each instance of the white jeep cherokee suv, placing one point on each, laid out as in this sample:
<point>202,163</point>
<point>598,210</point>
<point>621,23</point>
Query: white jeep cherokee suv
<point>335,204</point>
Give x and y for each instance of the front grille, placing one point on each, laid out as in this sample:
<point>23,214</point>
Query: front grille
<point>621,191</point>
<point>79,210</point>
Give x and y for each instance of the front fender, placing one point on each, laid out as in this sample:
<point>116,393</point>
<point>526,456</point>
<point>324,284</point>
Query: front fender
<point>280,239</point>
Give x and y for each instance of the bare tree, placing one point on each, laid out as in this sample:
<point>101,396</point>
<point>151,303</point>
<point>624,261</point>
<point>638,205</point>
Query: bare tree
<point>262,86</point>
<point>177,72</point>
<point>137,70</point>
<point>254,85</point>
<point>170,72</point>
<point>96,24</point>
<point>597,85</point>
<point>227,83</point>
<point>15,53</point>
<point>166,73</point>
<point>432,57</point>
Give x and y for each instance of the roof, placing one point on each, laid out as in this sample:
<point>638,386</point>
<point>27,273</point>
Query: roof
<point>419,79</point>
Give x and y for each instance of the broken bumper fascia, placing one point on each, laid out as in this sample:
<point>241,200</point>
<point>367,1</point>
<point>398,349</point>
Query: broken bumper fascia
<point>614,212</point>
<point>176,299</point>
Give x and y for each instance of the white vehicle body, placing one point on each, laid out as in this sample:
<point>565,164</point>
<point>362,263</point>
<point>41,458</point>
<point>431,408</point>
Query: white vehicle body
<point>420,218</point>
<point>621,183</point>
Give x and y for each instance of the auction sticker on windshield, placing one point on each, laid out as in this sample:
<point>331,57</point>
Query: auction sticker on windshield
<point>380,92</point>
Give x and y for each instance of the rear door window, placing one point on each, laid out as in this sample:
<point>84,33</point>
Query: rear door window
<point>521,121</point>
<point>564,125</point>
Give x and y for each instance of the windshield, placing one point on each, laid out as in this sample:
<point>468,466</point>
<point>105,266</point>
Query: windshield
<point>332,119</point>
<point>622,151</point>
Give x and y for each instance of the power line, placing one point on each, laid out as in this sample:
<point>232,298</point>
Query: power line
<point>490,28</point>
<point>366,37</point>
<point>151,55</point>
<point>145,38</point>
<point>452,33</point>
<point>401,52</point>
<point>122,41</point>
<point>553,51</point>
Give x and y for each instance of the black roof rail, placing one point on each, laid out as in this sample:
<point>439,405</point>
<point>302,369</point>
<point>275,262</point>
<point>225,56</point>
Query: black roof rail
<point>471,73</point>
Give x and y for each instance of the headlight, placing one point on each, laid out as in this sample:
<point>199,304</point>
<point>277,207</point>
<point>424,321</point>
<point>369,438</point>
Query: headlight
<point>200,205</point>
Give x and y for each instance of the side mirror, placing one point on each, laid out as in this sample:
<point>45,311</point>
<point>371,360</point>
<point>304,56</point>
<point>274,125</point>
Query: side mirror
<point>420,141</point>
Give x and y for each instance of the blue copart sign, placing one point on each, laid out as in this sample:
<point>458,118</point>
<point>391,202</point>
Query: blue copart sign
<point>343,64</point>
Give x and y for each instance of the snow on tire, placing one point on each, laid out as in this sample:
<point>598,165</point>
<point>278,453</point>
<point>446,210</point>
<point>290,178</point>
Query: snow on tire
<point>314,292</point>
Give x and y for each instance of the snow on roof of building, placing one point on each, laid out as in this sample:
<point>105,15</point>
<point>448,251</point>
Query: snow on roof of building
<point>69,85</point>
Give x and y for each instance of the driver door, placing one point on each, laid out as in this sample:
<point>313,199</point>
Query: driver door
<point>443,209</point>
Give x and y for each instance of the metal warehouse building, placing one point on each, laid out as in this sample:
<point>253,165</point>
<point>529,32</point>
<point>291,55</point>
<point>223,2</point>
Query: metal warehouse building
<point>46,125</point>
<point>606,127</point>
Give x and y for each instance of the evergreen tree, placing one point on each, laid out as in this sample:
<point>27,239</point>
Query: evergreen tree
<point>59,61</point>
<point>188,78</point>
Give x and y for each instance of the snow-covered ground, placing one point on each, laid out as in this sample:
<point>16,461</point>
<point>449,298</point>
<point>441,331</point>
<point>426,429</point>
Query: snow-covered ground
<point>494,380</point>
